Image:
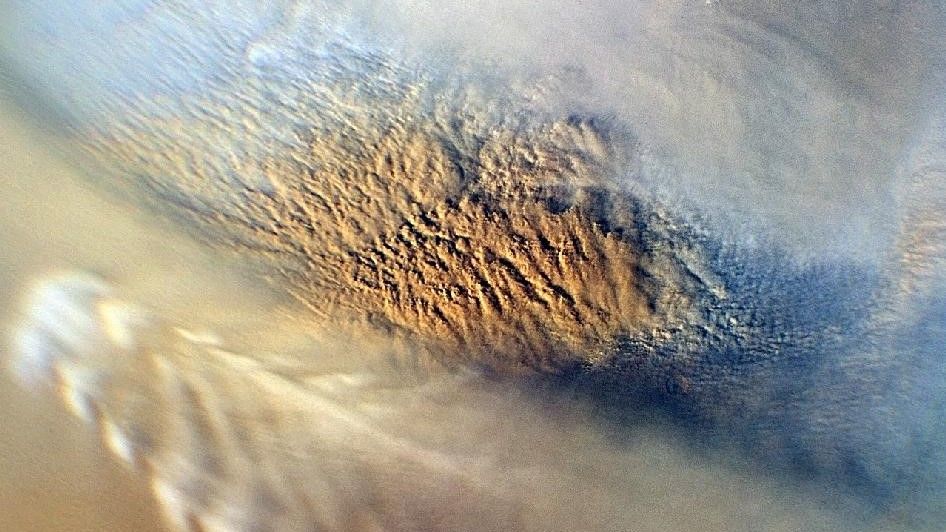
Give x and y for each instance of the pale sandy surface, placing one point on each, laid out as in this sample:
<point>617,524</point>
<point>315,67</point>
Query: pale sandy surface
<point>57,477</point>
<point>54,473</point>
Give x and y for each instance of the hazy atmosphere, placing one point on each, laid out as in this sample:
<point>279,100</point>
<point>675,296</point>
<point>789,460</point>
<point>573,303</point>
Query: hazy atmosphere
<point>472,265</point>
